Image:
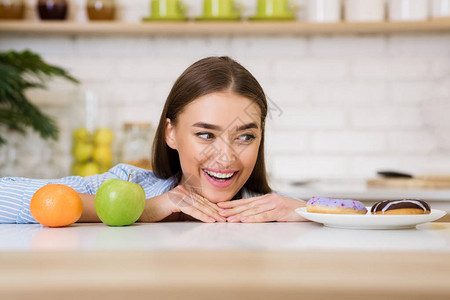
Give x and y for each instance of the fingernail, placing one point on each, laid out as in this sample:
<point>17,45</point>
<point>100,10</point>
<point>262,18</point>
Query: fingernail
<point>244,219</point>
<point>222,211</point>
<point>231,219</point>
<point>212,220</point>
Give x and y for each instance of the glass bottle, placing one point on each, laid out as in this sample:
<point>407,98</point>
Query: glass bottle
<point>136,144</point>
<point>101,10</point>
<point>12,9</point>
<point>52,9</point>
<point>92,137</point>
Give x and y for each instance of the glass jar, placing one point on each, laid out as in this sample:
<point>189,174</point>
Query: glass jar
<point>102,10</point>
<point>12,9</point>
<point>52,9</point>
<point>92,137</point>
<point>136,144</point>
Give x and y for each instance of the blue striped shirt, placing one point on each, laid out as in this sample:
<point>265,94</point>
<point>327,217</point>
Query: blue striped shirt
<point>16,192</point>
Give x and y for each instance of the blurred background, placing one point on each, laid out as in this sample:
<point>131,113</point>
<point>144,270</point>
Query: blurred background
<point>342,105</point>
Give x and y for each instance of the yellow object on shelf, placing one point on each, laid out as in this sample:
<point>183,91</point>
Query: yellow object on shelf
<point>12,9</point>
<point>101,10</point>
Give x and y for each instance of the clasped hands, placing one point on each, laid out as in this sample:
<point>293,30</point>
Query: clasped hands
<point>265,208</point>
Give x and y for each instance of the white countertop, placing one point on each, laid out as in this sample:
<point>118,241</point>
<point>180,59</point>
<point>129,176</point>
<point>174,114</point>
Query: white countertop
<point>305,236</point>
<point>193,260</point>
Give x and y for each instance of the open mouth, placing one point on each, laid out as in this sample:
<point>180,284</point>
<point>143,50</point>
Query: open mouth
<point>217,176</point>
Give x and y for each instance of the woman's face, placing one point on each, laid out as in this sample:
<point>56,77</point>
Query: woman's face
<point>217,137</point>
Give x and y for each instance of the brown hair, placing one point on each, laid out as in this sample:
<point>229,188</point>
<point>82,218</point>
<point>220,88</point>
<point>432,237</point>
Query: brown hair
<point>209,75</point>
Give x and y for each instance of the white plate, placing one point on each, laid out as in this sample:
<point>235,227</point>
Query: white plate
<point>369,221</point>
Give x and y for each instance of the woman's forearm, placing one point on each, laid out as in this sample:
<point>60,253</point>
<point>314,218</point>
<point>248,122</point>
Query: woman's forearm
<point>158,209</point>
<point>89,215</point>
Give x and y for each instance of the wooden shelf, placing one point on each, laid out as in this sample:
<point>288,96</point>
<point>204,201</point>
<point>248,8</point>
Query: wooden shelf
<point>192,28</point>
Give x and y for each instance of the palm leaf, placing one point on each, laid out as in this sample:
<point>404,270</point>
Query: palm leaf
<point>20,71</point>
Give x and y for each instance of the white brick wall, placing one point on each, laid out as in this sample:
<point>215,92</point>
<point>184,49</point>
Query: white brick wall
<point>390,68</point>
<point>342,105</point>
<point>348,142</point>
<point>311,69</point>
<point>386,118</point>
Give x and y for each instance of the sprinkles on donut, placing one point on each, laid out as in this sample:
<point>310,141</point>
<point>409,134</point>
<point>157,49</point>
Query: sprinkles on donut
<point>335,206</point>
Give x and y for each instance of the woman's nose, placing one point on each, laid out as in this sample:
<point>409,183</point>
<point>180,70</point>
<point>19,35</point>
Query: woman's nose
<point>227,155</point>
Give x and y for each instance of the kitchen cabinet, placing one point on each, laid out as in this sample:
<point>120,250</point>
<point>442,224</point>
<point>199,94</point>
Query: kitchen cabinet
<point>240,28</point>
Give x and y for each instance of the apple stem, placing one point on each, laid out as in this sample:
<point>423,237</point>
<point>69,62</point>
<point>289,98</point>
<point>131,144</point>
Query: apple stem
<point>129,176</point>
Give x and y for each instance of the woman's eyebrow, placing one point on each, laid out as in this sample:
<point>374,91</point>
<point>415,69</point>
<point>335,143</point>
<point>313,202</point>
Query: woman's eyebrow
<point>218,128</point>
<point>247,126</point>
<point>207,126</point>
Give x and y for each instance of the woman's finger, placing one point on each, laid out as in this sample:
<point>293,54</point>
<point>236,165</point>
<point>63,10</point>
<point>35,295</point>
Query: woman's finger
<point>187,197</point>
<point>196,213</point>
<point>206,202</point>
<point>202,204</point>
<point>235,203</point>
<point>192,193</point>
<point>210,208</point>
<point>266,216</point>
<point>239,209</point>
<point>177,198</point>
<point>256,210</point>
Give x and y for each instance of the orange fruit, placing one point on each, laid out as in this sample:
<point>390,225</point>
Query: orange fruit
<point>56,205</point>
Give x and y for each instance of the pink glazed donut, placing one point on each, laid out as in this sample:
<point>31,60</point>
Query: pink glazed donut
<point>335,206</point>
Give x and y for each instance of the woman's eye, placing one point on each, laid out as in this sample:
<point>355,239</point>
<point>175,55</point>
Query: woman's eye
<point>205,135</point>
<point>246,137</point>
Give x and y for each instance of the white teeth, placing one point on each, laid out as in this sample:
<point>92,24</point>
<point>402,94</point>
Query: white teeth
<point>219,175</point>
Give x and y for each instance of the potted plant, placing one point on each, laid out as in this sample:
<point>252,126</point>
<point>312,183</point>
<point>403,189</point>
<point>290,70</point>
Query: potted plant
<point>20,71</point>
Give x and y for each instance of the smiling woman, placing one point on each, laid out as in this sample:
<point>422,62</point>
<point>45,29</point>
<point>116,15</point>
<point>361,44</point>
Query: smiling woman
<point>213,121</point>
<point>217,160</point>
<point>208,157</point>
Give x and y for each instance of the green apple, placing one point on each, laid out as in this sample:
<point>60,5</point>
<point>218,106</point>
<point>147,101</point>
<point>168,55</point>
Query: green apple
<point>119,202</point>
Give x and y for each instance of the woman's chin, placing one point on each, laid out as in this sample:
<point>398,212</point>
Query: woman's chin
<point>216,197</point>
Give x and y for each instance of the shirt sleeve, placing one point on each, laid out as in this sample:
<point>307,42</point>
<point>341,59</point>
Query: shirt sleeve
<point>16,192</point>
<point>15,196</point>
<point>152,185</point>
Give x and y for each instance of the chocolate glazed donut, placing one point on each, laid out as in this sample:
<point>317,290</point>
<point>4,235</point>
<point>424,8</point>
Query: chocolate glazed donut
<point>400,207</point>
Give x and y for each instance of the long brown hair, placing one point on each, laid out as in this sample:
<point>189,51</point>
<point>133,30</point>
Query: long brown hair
<point>209,75</point>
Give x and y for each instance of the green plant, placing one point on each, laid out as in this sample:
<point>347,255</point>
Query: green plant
<point>20,71</point>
